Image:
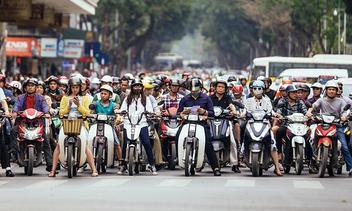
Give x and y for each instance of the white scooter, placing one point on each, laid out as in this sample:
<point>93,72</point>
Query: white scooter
<point>101,140</point>
<point>191,142</point>
<point>72,141</point>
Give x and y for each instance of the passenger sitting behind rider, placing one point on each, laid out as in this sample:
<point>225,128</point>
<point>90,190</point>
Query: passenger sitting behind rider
<point>74,104</point>
<point>106,106</point>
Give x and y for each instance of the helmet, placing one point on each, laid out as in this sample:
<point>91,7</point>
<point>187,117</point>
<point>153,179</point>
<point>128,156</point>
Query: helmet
<point>2,78</point>
<point>303,87</point>
<point>283,87</point>
<point>74,81</point>
<point>350,95</point>
<point>148,85</point>
<point>136,81</point>
<point>231,78</point>
<point>175,82</point>
<point>331,84</point>
<point>107,88</point>
<point>106,79</point>
<point>287,81</point>
<point>237,90</point>
<point>63,80</point>
<point>129,76</point>
<point>220,80</point>
<point>268,80</point>
<point>261,78</point>
<point>317,85</point>
<point>51,78</point>
<point>16,84</point>
<point>258,83</point>
<point>242,78</point>
<point>95,81</point>
<point>186,74</point>
<point>41,83</point>
<point>164,79</point>
<point>196,84</point>
<point>30,81</point>
<point>115,80</point>
<point>291,88</point>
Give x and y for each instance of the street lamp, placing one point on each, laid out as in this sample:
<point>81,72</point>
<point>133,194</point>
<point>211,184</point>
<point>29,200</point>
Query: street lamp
<point>337,13</point>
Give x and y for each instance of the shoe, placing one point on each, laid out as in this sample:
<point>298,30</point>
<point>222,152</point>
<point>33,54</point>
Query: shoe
<point>278,173</point>
<point>95,173</point>
<point>122,169</point>
<point>52,174</point>
<point>152,169</point>
<point>217,173</point>
<point>9,173</point>
<point>236,169</point>
<point>350,174</point>
<point>48,168</point>
<point>313,170</point>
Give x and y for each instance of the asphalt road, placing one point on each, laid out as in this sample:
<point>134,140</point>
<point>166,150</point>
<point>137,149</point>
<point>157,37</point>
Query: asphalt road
<point>170,190</point>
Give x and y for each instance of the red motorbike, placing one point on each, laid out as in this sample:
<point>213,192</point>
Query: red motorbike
<point>30,138</point>
<point>169,127</point>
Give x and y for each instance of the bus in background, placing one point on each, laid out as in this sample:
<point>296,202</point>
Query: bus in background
<point>168,61</point>
<point>274,66</point>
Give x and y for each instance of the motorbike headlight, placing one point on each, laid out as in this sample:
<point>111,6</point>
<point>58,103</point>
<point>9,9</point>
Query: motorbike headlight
<point>102,118</point>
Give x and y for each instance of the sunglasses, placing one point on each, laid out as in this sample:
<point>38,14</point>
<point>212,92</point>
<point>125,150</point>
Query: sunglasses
<point>257,88</point>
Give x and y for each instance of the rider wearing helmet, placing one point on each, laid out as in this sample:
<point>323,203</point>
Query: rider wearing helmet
<point>16,87</point>
<point>339,94</point>
<point>303,91</point>
<point>238,94</point>
<point>333,104</point>
<point>53,90</point>
<point>317,92</point>
<point>206,108</point>
<point>282,93</point>
<point>135,104</point>
<point>8,94</point>
<point>222,99</point>
<point>173,98</point>
<point>116,85</point>
<point>261,102</point>
<point>267,91</point>
<point>63,83</point>
<point>289,105</point>
<point>243,81</point>
<point>107,80</point>
<point>30,99</point>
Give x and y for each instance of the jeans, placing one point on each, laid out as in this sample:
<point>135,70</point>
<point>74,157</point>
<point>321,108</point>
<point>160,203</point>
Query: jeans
<point>144,138</point>
<point>344,147</point>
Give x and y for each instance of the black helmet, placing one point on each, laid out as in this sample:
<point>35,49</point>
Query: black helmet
<point>175,82</point>
<point>41,83</point>
<point>268,80</point>
<point>291,88</point>
<point>231,78</point>
<point>136,81</point>
<point>196,84</point>
<point>30,81</point>
<point>52,78</point>
<point>74,81</point>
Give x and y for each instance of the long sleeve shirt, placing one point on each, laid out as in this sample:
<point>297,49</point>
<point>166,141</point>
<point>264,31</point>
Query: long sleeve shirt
<point>137,108</point>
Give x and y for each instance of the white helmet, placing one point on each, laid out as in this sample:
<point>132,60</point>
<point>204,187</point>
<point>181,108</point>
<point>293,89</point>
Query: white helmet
<point>95,81</point>
<point>331,84</point>
<point>16,84</point>
<point>317,85</point>
<point>129,75</point>
<point>106,79</point>
<point>107,88</point>
<point>260,78</point>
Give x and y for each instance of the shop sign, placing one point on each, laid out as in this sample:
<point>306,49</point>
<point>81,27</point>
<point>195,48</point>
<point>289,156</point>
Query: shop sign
<point>48,47</point>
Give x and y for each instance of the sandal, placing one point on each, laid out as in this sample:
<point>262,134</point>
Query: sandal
<point>278,173</point>
<point>52,174</point>
<point>95,174</point>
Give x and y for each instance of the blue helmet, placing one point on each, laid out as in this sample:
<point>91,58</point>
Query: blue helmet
<point>259,84</point>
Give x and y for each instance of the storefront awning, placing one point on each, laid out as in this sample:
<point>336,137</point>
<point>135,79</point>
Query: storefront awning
<point>71,6</point>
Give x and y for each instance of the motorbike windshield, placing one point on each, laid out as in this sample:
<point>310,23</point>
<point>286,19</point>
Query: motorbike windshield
<point>297,117</point>
<point>328,118</point>
<point>258,115</point>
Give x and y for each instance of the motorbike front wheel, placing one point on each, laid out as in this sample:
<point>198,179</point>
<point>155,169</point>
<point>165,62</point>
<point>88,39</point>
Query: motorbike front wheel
<point>130,160</point>
<point>299,159</point>
<point>99,158</point>
<point>30,161</point>
<point>324,151</point>
<point>188,160</point>
<point>172,159</point>
<point>70,161</point>
<point>255,164</point>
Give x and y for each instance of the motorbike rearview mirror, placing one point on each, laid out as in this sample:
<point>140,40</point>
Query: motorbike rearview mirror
<point>92,106</point>
<point>348,106</point>
<point>161,102</point>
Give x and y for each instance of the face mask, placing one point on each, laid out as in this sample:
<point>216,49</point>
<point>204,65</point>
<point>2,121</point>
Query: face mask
<point>195,94</point>
<point>258,92</point>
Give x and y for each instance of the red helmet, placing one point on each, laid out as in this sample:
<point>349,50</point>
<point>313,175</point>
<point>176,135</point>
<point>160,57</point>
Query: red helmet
<point>237,89</point>
<point>2,78</point>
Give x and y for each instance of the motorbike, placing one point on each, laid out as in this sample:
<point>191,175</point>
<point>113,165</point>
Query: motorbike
<point>30,137</point>
<point>296,132</point>
<point>169,126</point>
<point>221,130</point>
<point>72,141</point>
<point>191,142</point>
<point>257,140</point>
<point>136,155</point>
<point>101,140</point>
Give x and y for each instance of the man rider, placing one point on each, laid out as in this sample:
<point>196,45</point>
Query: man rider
<point>206,108</point>
<point>222,99</point>
<point>33,100</point>
<point>53,89</point>
<point>262,102</point>
<point>332,104</point>
<point>267,91</point>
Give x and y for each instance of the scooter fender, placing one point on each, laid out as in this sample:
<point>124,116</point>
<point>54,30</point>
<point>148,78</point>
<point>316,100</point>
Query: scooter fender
<point>326,141</point>
<point>298,140</point>
<point>108,133</point>
<point>83,136</point>
<point>256,147</point>
<point>200,135</point>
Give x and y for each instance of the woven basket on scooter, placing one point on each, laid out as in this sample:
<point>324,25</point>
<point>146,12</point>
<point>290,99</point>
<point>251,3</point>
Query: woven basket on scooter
<point>72,127</point>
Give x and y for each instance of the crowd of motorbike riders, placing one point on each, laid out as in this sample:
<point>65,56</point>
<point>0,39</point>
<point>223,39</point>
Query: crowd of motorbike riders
<point>57,97</point>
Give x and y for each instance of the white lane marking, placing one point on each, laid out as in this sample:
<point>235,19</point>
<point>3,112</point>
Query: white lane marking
<point>109,183</point>
<point>240,183</point>
<point>46,184</point>
<point>308,185</point>
<point>174,183</point>
<point>3,182</point>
